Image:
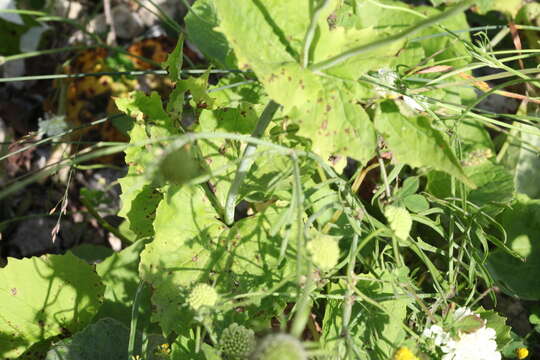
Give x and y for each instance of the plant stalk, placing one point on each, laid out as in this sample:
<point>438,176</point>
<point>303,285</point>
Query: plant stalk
<point>247,160</point>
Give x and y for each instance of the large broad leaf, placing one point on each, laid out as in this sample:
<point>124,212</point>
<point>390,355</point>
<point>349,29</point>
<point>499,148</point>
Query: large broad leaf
<point>139,198</point>
<point>200,23</point>
<point>326,109</point>
<point>522,224</point>
<point>523,161</point>
<point>107,338</point>
<point>494,185</point>
<point>120,274</point>
<point>422,145</point>
<point>376,331</point>
<point>192,246</point>
<point>183,251</point>
<point>43,297</point>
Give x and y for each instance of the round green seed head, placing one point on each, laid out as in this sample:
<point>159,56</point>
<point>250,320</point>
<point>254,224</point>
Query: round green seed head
<point>324,252</point>
<point>202,295</point>
<point>237,342</point>
<point>280,347</point>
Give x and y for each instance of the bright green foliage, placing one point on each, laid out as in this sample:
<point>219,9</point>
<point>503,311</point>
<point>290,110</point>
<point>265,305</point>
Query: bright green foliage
<point>107,338</point>
<point>497,323</point>
<point>202,295</point>
<point>324,108</point>
<point>119,273</point>
<point>200,26</point>
<point>377,330</point>
<point>40,297</point>
<point>324,251</point>
<point>186,233</point>
<point>174,61</point>
<point>522,224</point>
<point>400,221</point>
<point>139,198</point>
<point>295,201</point>
<point>280,347</point>
<point>237,342</point>
<point>423,145</point>
<point>495,186</point>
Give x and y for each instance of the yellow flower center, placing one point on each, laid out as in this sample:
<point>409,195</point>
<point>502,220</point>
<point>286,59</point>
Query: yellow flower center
<point>522,353</point>
<point>403,353</point>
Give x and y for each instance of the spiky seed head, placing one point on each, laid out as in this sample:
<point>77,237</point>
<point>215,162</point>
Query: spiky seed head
<point>280,347</point>
<point>237,342</point>
<point>202,295</point>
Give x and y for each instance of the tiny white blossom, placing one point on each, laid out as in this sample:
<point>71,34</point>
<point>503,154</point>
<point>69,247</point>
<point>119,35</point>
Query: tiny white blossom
<point>52,125</point>
<point>439,336</point>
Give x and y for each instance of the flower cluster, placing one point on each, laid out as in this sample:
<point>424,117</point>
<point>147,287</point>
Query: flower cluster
<point>479,344</point>
<point>237,341</point>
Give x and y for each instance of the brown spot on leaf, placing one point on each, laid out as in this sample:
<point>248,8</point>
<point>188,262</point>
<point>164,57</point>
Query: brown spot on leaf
<point>13,291</point>
<point>324,124</point>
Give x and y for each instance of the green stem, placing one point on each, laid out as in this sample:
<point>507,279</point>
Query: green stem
<point>310,34</point>
<point>134,320</point>
<point>336,60</point>
<point>384,178</point>
<point>303,305</point>
<point>112,73</point>
<point>349,299</point>
<point>247,160</point>
<point>103,223</point>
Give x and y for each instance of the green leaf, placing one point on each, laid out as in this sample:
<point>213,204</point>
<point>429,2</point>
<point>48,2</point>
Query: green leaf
<point>201,22</point>
<point>508,7</point>
<point>376,331</point>
<point>497,323</point>
<point>416,203</point>
<point>495,187</point>
<point>107,338</point>
<point>525,163</point>
<point>400,221</point>
<point>325,109</point>
<point>389,17</point>
<point>494,183</point>
<point>468,324</point>
<point>119,273</point>
<point>139,197</point>
<point>423,145</point>
<point>410,186</point>
<point>173,64</point>
<point>522,224</point>
<point>42,297</point>
<point>183,251</point>
<point>92,253</point>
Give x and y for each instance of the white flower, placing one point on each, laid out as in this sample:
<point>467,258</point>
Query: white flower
<point>478,345</point>
<point>439,336</point>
